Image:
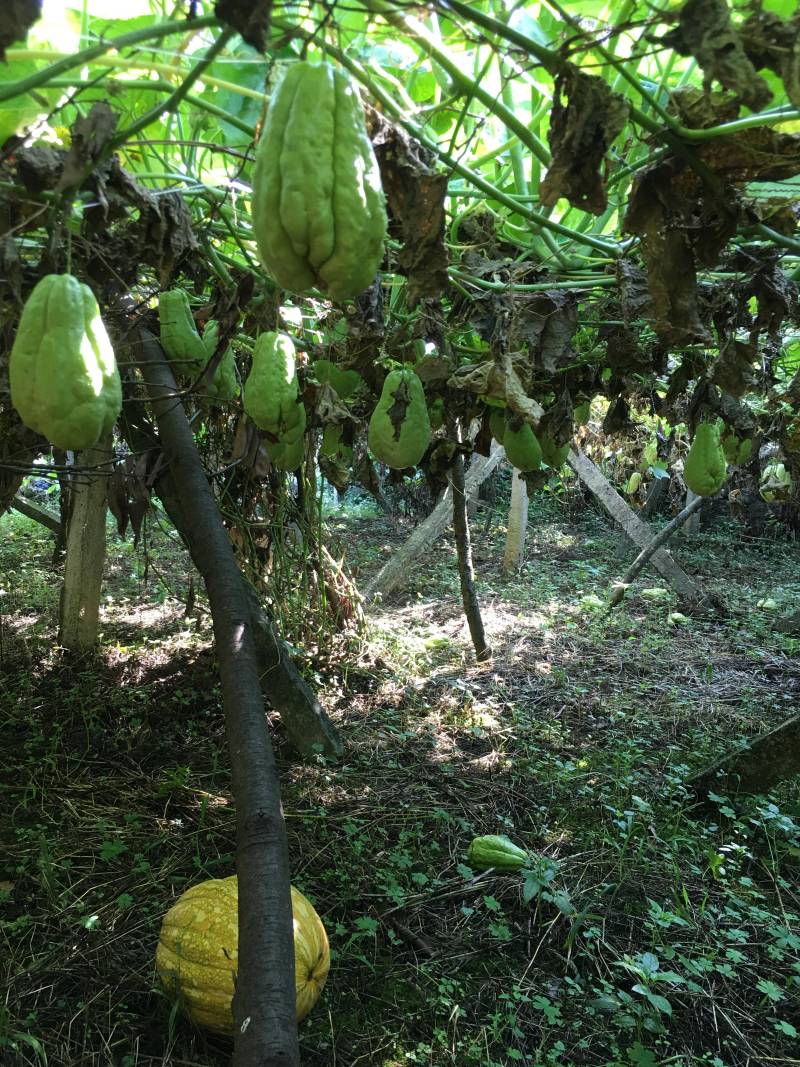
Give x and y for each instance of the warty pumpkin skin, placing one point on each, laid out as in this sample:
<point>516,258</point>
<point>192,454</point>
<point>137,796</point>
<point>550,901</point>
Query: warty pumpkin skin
<point>318,207</point>
<point>62,370</point>
<point>198,951</point>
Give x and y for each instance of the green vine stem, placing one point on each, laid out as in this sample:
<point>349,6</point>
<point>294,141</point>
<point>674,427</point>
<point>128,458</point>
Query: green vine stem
<point>172,101</point>
<point>87,55</point>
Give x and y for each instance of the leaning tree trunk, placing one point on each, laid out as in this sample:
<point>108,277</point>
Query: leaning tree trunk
<point>466,573</point>
<point>41,515</point>
<point>264,1002</point>
<point>517,524</point>
<point>396,569</point>
<point>308,727</point>
<point>86,550</point>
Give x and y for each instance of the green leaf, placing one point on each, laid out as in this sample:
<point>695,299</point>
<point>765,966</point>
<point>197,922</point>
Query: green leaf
<point>641,1056</point>
<point>660,1003</point>
<point>770,990</point>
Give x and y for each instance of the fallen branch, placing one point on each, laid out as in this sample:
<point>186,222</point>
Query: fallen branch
<point>639,532</point>
<point>661,538</point>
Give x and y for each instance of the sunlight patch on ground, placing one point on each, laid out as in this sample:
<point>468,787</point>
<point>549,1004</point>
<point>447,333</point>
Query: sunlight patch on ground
<point>19,623</point>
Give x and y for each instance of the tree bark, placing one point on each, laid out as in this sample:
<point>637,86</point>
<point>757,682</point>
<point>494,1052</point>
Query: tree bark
<point>86,551</point>
<point>766,761</point>
<point>466,572</point>
<point>657,496</point>
<point>517,524</point>
<point>638,531</point>
<point>264,1002</point>
<point>661,538</point>
<point>692,527</point>
<point>396,569</point>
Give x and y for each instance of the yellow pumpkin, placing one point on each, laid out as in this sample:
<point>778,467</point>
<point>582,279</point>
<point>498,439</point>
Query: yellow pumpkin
<point>197,952</point>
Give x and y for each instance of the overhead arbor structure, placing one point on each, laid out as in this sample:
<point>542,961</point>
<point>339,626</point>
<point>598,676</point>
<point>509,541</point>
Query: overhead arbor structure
<point>586,202</point>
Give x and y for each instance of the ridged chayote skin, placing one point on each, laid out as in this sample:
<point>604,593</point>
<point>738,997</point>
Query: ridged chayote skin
<point>496,851</point>
<point>705,468</point>
<point>179,338</point>
<point>63,374</point>
<point>224,385</point>
<point>400,430</point>
<point>522,448</point>
<point>271,390</point>
<point>287,452</point>
<point>318,207</point>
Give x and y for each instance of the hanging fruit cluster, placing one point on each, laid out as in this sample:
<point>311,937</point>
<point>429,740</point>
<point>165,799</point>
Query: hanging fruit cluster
<point>188,352</point>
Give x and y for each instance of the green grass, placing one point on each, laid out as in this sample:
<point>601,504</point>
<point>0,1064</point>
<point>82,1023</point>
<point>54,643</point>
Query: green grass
<point>654,933</point>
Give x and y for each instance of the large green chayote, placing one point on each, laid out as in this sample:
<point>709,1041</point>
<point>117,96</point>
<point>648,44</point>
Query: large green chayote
<point>318,207</point>
<point>62,371</point>
<point>270,395</point>
<point>705,468</point>
<point>496,851</point>
<point>345,382</point>
<point>400,430</point>
<point>522,448</point>
<point>179,338</point>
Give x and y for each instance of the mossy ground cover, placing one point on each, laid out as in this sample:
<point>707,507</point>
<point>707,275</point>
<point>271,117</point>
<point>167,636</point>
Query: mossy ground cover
<point>654,933</point>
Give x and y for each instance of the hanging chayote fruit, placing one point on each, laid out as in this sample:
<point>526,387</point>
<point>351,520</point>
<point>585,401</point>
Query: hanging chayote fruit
<point>271,399</point>
<point>400,430</point>
<point>318,207</point>
<point>553,455</point>
<point>224,385</point>
<point>497,424</point>
<point>179,338</point>
<point>522,447</point>
<point>62,371</point>
<point>271,391</point>
<point>705,468</point>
